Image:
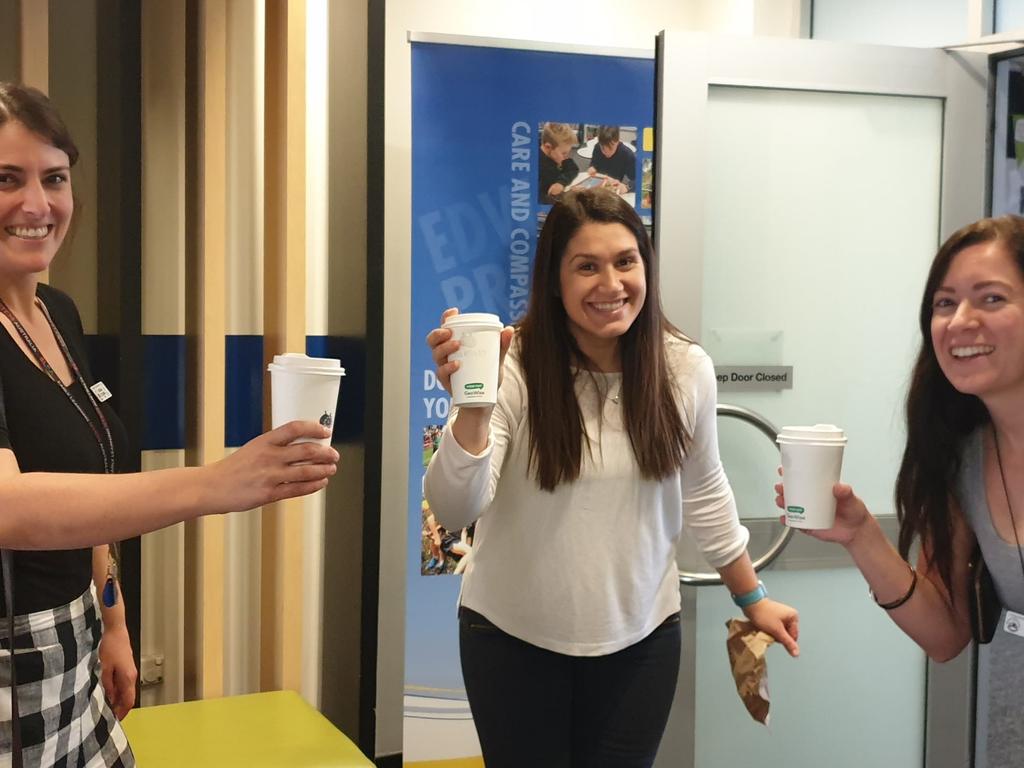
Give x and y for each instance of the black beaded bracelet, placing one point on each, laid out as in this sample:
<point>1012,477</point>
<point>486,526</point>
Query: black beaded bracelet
<point>899,601</point>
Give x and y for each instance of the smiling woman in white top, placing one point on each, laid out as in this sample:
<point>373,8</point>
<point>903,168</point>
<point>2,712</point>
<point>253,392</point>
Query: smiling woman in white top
<point>601,451</point>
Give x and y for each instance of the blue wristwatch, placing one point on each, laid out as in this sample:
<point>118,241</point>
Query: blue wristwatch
<point>751,597</point>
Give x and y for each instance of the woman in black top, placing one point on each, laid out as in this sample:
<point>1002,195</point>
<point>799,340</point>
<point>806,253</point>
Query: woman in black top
<point>62,493</point>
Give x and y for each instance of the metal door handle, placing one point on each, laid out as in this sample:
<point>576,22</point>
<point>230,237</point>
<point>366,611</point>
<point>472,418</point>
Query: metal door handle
<point>755,419</point>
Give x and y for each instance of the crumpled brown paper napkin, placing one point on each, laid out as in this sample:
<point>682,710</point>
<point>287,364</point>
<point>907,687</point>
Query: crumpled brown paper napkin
<point>747,647</point>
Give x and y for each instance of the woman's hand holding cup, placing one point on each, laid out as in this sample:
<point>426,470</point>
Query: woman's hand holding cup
<point>851,515</point>
<point>271,467</point>
<point>443,345</point>
<point>476,394</point>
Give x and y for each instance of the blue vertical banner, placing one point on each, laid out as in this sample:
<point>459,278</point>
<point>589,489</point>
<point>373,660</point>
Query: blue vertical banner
<point>497,134</point>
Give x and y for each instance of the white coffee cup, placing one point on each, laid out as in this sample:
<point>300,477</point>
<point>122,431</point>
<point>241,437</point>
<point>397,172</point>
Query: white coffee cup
<point>812,458</point>
<point>304,388</point>
<point>475,384</point>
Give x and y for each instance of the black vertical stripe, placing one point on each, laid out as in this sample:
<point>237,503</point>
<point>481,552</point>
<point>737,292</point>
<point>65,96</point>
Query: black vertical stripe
<point>119,245</point>
<point>193,235</point>
<point>374,372</point>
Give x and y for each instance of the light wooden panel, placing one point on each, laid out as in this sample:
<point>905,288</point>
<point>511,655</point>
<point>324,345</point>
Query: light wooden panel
<point>34,42</point>
<point>74,62</point>
<point>284,323</point>
<point>210,325</point>
<point>34,52</point>
<point>244,307</point>
<point>164,98</point>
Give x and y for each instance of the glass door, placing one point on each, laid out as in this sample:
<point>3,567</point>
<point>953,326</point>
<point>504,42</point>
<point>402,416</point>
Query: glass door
<point>802,190</point>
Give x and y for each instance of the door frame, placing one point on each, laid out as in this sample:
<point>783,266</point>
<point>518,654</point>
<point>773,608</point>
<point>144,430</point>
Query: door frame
<point>687,65</point>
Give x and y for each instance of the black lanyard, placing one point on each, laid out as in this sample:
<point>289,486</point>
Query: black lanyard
<point>106,446</point>
<point>106,450</point>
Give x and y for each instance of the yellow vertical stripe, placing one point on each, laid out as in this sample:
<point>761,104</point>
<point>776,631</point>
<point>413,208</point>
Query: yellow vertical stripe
<point>211,325</point>
<point>244,302</point>
<point>284,322</point>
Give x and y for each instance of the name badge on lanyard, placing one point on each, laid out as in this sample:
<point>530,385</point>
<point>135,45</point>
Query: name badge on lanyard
<point>1014,623</point>
<point>100,390</point>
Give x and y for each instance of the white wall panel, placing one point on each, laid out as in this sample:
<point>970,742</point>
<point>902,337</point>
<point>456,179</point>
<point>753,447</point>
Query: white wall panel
<point>923,23</point>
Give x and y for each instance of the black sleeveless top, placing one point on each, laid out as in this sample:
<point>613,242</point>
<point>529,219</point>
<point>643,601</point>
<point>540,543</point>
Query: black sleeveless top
<point>47,434</point>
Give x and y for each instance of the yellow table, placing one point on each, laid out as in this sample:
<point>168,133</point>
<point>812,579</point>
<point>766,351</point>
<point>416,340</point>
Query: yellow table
<point>277,729</point>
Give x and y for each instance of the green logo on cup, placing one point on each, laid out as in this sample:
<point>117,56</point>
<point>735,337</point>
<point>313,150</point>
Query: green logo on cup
<point>795,510</point>
<point>474,385</point>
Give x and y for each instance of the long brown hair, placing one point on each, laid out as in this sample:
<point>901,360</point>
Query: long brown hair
<point>551,358</point>
<point>939,417</point>
<point>31,107</point>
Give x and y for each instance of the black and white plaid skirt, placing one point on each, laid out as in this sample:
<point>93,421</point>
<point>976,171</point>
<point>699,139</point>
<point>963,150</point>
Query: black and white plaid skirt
<point>65,718</point>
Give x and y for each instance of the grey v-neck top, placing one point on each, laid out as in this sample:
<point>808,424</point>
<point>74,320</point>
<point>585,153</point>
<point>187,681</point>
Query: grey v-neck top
<point>1002,558</point>
<point>999,739</point>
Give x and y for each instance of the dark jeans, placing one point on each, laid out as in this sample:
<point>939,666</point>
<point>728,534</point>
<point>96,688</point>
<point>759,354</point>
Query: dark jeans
<point>534,707</point>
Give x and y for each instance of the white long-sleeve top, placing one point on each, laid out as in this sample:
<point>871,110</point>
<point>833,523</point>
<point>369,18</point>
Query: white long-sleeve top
<point>590,568</point>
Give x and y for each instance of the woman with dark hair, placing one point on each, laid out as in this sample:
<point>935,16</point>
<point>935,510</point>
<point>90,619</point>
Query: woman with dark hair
<point>961,482</point>
<point>602,447</point>
<point>63,493</point>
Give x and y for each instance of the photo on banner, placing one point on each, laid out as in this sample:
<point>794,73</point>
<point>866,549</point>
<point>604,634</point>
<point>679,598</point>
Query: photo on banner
<point>497,134</point>
<point>443,552</point>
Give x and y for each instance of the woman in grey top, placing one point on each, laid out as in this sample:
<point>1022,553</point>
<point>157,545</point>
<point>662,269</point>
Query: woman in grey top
<point>962,475</point>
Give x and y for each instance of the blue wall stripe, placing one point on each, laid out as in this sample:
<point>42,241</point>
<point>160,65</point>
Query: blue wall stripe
<point>243,389</point>
<point>163,419</point>
<point>163,426</point>
<point>348,427</point>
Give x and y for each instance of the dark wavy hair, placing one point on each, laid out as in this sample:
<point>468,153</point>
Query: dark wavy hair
<point>31,107</point>
<point>939,417</point>
<point>551,358</point>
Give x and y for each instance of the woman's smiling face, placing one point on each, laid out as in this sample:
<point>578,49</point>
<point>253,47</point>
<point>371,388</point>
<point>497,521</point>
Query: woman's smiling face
<point>35,200</point>
<point>977,325</point>
<point>603,284</point>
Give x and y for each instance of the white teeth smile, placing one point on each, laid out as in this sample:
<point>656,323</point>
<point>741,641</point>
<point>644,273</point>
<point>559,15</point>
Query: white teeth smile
<point>975,351</point>
<point>28,233</point>
<point>608,306</point>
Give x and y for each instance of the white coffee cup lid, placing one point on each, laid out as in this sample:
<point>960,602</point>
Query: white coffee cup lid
<point>300,363</point>
<point>484,319</point>
<point>819,433</point>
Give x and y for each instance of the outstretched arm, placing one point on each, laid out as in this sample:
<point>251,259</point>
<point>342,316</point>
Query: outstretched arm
<point>46,510</point>
<point>933,619</point>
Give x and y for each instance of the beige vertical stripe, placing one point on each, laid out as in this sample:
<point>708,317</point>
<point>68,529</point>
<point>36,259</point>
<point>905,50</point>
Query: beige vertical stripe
<point>164,99</point>
<point>244,302</point>
<point>34,53</point>
<point>35,44</point>
<point>72,62</point>
<point>284,322</point>
<point>211,327</point>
